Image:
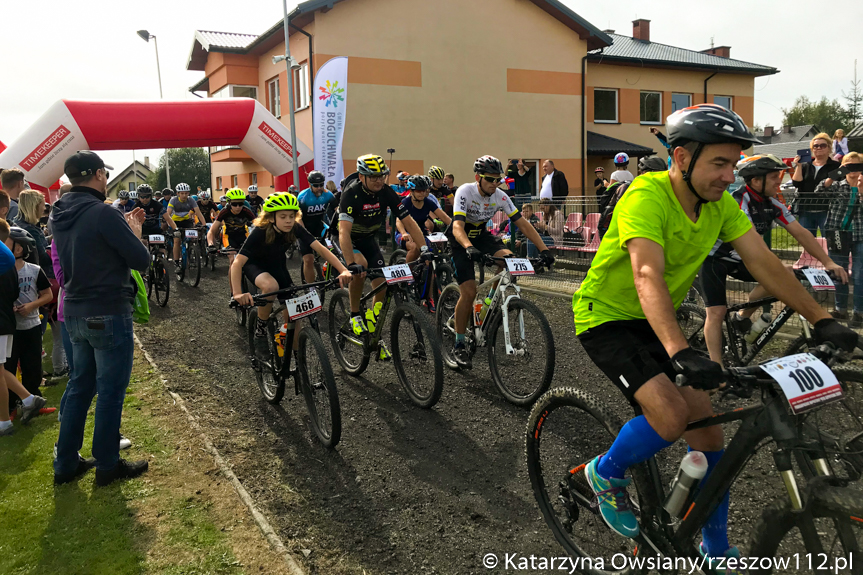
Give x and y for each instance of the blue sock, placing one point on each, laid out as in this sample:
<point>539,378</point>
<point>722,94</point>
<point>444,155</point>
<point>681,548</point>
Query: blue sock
<point>636,442</point>
<point>459,338</point>
<point>715,531</point>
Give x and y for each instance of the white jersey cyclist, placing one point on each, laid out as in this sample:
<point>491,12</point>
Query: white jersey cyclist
<point>476,210</point>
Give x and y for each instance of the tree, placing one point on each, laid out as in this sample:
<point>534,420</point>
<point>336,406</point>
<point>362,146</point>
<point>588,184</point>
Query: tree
<point>855,100</point>
<point>189,165</point>
<point>827,115</point>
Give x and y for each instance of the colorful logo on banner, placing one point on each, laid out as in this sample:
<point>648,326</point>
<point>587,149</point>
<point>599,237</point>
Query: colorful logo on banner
<point>331,94</point>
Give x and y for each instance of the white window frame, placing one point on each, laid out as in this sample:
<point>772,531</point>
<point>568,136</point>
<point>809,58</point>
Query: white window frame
<point>255,178</point>
<point>234,181</point>
<point>132,186</point>
<point>730,101</point>
<point>228,91</point>
<point>274,97</point>
<point>658,121</point>
<point>218,182</point>
<point>302,90</point>
<point>688,97</point>
<point>616,119</point>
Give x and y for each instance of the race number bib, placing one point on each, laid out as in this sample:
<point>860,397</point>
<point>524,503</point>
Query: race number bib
<point>398,273</point>
<point>157,239</point>
<point>437,237</point>
<point>191,233</point>
<point>519,266</point>
<point>805,380</point>
<point>328,242</point>
<point>304,306</point>
<point>819,280</point>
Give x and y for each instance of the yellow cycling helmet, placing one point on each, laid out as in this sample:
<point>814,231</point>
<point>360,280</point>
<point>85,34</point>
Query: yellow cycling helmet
<point>372,165</point>
<point>281,201</point>
<point>236,194</point>
<point>436,173</point>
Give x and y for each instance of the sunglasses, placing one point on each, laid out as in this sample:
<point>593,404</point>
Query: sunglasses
<point>236,204</point>
<point>377,178</point>
<point>317,185</point>
<point>492,179</point>
<point>819,146</point>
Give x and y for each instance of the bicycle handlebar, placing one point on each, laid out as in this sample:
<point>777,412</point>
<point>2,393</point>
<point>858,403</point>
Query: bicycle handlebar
<point>261,299</point>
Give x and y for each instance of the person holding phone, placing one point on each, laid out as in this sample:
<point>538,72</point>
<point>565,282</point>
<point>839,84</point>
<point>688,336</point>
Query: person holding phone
<point>810,206</point>
<point>524,176</point>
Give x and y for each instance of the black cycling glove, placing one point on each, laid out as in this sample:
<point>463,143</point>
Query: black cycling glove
<point>700,372</point>
<point>546,259</point>
<point>829,330</point>
<point>356,269</point>
<point>474,254</point>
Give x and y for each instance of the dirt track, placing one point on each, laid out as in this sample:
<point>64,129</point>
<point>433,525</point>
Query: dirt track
<point>407,490</point>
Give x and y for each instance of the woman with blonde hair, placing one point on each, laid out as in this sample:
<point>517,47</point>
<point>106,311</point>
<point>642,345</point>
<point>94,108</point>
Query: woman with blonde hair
<point>840,144</point>
<point>31,206</point>
<point>810,206</point>
<point>331,187</point>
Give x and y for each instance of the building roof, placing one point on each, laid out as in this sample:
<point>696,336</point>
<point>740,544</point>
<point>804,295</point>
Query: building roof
<point>141,171</point>
<point>208,41</point>
<point>796,134</point>
<point>602,145</point>
<point>783,150</point>
<point>856,131</point>
<point>629,50</point>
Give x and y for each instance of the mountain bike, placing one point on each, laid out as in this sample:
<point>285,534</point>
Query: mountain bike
<point>568,427</point>
<point>416,351</point>
<point>516,332</point>
<point>434,276</point>
<point>323,271</point>
<point>208,257</point>
<point>190,257</point>
<point>158,277</point>
<point>311,372</point>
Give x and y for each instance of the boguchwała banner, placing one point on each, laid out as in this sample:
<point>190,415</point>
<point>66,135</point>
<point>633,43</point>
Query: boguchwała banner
<point>330,93</point>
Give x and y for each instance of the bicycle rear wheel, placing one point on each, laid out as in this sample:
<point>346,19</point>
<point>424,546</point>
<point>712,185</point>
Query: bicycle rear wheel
<point>566,429</point>
<point>319,388</point>
<point>417,355</point>
<point>827,531</point>
<point>525,374</point>
<point>241,312</point>
<point>349,352</point>
<point>398,257</point>
<point>148,279</point>
<point>161,280</point>
<point>266,372</point>
<point>445,323</point>
<point>194,260</point>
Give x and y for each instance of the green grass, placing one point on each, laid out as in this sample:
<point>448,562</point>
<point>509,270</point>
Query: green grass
<point>142,526</point>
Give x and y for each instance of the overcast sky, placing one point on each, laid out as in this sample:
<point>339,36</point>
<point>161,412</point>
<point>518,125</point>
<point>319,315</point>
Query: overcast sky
<point>89,50</point>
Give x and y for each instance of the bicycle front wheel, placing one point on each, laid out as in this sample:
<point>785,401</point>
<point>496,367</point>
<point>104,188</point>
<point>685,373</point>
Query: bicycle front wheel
<point>417,355</point>
<point>445,323</point>
<point>194,264</point>
<point>319,388</point>
<point>525,371</point>
<point>349,350</point>
<point>691,320</point>
<point>266,369</point>
<point>398,257</point>
<point>819,538</point>
<point>567,428</point>
<point>161,280</point>
<point>242,312</point>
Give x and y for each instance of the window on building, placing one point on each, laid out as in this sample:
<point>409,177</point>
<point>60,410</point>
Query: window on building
<point>231,91</point>
<point>651,107</point>
<point>255,178</point>
<point>219,183</point>
<point>233,181</point>
<point>273,102</point>
<point>302,94</point>
<point>604,105</point>
<point>724,101</point>
<point>132,186</point>
<point>680,101</point>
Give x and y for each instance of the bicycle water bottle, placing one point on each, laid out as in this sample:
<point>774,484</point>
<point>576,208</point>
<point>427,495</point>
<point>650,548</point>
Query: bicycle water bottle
<point>324,269</point>
<point>281,338</point>
<point>758,326</point>
<point>693,468</point>
<point>484,310</point>
<point>477,312</point>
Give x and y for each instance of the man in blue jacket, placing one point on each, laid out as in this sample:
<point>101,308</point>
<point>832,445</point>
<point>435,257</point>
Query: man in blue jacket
<point>98,247</point>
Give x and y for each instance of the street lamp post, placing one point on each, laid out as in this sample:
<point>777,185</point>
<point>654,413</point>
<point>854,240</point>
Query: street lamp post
<point>291,64</point>
<point>145,36</point>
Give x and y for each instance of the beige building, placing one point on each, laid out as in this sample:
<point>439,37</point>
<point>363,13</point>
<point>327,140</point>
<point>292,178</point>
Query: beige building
<point>471,88</point>
<point>130,178</point>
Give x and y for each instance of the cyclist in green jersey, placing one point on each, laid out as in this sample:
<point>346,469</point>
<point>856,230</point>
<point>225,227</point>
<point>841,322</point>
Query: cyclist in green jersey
<point>661,231</point>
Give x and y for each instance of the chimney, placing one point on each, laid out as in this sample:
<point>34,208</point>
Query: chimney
<point>721,51</point>
<point>786,129</point>
<point>609,31</point>
<point>147,161</point>
<point>768,131</point>
<point>641,29</point>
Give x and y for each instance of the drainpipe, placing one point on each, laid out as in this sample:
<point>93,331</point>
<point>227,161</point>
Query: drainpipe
<point>583,128</point>
<point>311,72</point>
<point>705,85</point>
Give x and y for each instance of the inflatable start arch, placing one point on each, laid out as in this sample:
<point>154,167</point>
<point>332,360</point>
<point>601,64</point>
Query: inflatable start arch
<point>69,126</point>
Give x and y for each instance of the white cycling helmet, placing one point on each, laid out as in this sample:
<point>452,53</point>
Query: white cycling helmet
<point>621,158</point>
<point>181,187</point>
<point>122,195</point>
<point>253,189</point>
<point>204,195</point>
<point>133,195</point>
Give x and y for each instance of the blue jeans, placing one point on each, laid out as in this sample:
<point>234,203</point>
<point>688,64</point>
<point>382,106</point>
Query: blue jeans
<point>102,350</point>
<point>812,221</point>
<point>67,345</point>
<point>841,303</point>
<point>532,250</point>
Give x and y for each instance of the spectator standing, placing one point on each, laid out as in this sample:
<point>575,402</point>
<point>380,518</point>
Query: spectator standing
<point>97,248</point>
<point>31,205</point>
<point>809,206</point>
<point>664,141</point>
<point>525,179</point>
<point>840,144</point>
<point>553,183</point>
<point>845,235</point>
<point>4,205</point>
<point>449,182</point>
<point>622,175</point>
<point>331,187</point>
<point>12,182</point>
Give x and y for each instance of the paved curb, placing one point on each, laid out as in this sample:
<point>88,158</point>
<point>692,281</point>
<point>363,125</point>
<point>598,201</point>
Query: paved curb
<point>266,529</point>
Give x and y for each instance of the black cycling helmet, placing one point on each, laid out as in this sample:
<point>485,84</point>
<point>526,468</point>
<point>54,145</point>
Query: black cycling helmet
<point>418,183</point>
<point>652,164</point>
<point>23,238</point>
<point>488,165</point>
<point>706,124</point>
<point>167,192</point>
<point>145,191</point>
<point>761,165</point>
<point>316,177</point>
